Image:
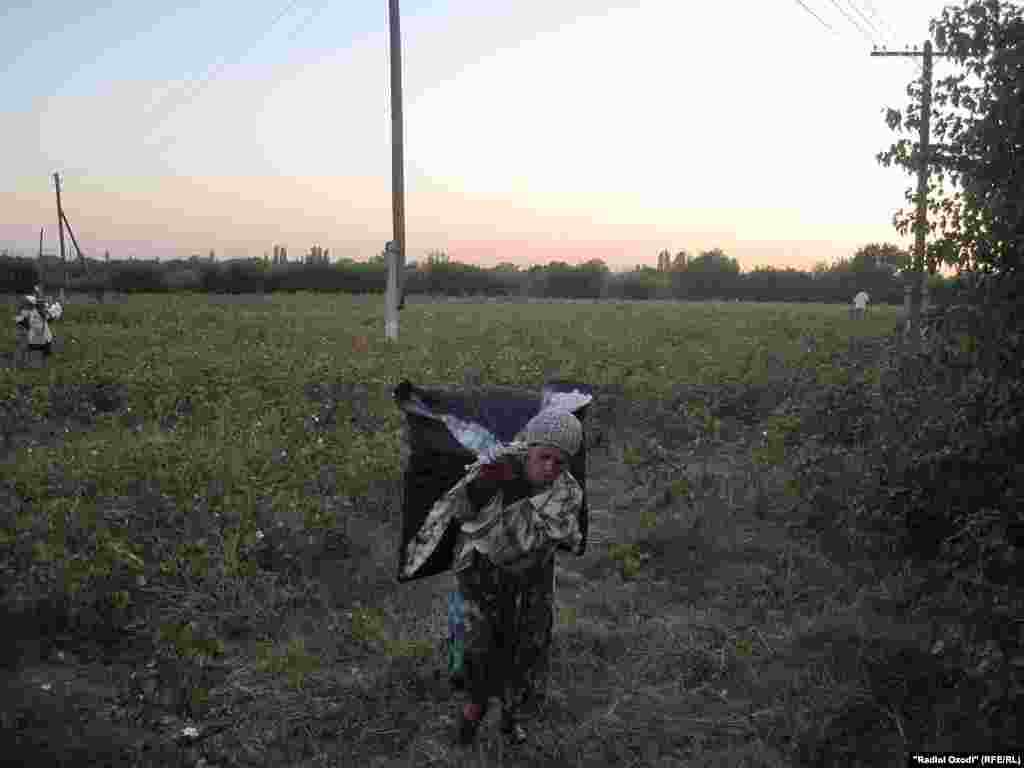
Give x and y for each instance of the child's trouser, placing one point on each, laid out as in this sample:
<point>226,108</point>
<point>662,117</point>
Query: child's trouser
<point>499,635</point>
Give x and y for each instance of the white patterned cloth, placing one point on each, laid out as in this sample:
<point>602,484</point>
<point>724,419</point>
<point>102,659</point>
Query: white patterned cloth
<point>36,321</point>
<point>512,536</point>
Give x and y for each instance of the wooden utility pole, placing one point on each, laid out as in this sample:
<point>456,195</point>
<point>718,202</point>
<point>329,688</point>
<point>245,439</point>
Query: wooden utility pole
<point>396,254</point>
<point>921,224</point>
<point>71,232</point>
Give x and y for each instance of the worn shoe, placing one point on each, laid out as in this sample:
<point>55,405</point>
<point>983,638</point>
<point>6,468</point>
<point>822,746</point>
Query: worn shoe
<point>470,718</point>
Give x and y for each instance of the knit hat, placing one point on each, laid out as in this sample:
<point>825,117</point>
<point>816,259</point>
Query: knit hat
<point>558,428</point>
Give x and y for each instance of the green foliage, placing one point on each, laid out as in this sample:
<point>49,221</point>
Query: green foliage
<point>709,424</point>
<point>681,488</point>
<point>190,641</point>
<point>408,649</point>
<point>293,661</point>
<point>631,456</point>
<point>628,558</point>
<point>368,625</point>
<point>648,519</point>
<point>781,432</point>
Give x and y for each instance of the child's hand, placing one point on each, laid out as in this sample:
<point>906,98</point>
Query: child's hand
<point>497,472</point>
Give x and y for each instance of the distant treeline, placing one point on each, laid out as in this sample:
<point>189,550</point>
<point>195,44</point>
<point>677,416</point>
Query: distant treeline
<point>710,275</point>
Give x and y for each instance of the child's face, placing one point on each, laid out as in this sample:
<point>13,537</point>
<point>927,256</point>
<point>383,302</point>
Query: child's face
<point>544,463</point>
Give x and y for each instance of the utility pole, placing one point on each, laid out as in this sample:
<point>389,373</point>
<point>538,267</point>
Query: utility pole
<point>39,259</point>
<point>60,230</point>
<point>396,255</point>
<point>921,224</point>
<point>74,240</point>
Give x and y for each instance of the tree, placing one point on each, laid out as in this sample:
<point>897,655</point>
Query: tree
<point>713,261</point>
<point>874,257</point>
<point>711,274</point>
<point>977,115</point>
<point>966,533</point>
<point>664,261</point>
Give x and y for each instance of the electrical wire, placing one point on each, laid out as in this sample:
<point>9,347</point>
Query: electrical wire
<point>309,19</point>
<point>878,17</point>
<point>823,23</point>
<point>860,13</point>
<point>214,73</point>
<point>218,69</point>
<point>850,19</point>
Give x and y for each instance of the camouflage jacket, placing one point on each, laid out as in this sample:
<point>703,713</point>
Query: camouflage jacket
<point>514,534</point>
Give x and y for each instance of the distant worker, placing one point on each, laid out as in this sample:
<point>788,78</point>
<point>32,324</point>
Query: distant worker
<point>33,322</point>
<point>860,305</point>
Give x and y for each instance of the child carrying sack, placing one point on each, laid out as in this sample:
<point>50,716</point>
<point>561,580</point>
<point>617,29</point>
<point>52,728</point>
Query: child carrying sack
<point>446,431</point>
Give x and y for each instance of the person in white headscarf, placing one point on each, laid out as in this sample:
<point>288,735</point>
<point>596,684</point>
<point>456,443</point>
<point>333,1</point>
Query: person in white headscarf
<point>513,514</point>
<point>33,323</point>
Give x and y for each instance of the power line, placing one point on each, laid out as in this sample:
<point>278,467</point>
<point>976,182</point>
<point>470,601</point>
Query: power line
<point>850,19</point>
<point>309,19</point>
<point>800,3</point>
<point>218,69</point>
<point>878,17</point>
<point>866,19</point>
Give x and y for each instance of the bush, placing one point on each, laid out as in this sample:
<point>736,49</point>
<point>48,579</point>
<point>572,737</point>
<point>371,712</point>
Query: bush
<point>183,280</point>
<point>234,277</point>
<point>137,277</point>
<point>919,479</point>
<point>17,275</point>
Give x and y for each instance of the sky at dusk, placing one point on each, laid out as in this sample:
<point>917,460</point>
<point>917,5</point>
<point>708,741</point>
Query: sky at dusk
<point>534,131</point>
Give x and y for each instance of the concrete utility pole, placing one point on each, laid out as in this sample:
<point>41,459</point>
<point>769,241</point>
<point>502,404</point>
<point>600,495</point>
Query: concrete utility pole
<point>39,260</point>
<point>393,299</point>
<point>921,225</point>
<point>60,230</point>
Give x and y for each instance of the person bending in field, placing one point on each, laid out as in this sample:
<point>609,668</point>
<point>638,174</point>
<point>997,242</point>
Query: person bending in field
<point>512,514</point>
<point>860,305</point>
<point>34,327</point>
